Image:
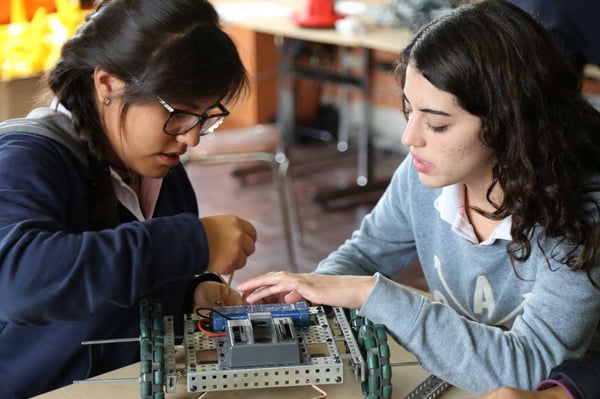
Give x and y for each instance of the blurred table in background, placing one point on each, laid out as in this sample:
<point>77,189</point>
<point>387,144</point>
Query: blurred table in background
<point>272,24</point>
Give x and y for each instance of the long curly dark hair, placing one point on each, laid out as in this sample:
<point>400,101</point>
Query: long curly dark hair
<point>175,49</point>
<point>506,69</point>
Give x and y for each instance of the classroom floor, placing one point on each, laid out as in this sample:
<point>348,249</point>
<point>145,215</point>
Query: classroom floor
<point>323,230</point>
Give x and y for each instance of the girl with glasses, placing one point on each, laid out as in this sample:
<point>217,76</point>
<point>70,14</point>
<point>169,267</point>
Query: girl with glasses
<point>96,210</point>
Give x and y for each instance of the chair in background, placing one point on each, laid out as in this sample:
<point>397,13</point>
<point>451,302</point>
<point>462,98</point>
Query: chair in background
<point>257,144</point>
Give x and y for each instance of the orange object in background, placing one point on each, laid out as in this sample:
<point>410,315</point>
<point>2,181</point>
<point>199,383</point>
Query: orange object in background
<point>317,14</point>
<point>30,7</point>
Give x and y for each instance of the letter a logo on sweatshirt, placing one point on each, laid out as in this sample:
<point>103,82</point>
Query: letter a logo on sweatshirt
<point>483,297</point>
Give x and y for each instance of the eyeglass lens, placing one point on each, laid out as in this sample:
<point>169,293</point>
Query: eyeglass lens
<point>180,123</point>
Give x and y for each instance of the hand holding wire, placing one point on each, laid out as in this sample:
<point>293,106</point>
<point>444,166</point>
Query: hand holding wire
<point>230,241</point>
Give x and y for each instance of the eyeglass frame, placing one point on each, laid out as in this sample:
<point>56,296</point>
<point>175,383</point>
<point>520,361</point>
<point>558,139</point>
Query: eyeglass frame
<point>200,118</point>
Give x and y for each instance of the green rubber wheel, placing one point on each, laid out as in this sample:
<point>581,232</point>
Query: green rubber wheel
<point>372,340</point>
<point>152,349</point>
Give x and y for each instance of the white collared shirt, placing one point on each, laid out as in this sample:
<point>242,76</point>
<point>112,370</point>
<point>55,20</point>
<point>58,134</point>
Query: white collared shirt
<point>451,206</point>
<point>150,189</point>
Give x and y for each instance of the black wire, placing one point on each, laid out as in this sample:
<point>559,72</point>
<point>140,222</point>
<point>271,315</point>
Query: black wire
<point>212,310</point>
<point>207,325</point>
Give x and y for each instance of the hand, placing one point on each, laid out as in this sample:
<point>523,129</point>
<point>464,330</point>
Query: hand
<point>209,294</point>
<point>344,291</point>
<point>513,393</point>
<point>230,242</point>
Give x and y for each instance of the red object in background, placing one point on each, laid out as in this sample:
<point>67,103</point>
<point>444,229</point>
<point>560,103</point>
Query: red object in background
<point>316,14</point>
<point>30,5</point>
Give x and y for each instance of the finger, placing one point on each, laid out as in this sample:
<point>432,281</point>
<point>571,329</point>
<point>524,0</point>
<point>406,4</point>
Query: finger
<point>241,260</point>
<point>233,298</point>
<point>268,299</point>
<point>248,245</point>
<point>258,295</point>
<point>293,297</point>
<point>271,278</point>
<point>270,290</point>
<point>249,229</point>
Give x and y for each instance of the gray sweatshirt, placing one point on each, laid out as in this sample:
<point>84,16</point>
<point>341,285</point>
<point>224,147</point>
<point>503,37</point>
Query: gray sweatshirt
<point>486,325</point>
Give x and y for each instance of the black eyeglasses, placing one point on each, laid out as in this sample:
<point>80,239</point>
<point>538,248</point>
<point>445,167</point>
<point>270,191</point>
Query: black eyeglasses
<point>181,122</point>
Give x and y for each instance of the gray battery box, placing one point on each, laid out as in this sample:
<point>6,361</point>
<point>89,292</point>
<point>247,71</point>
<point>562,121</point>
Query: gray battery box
<point>259,340</point>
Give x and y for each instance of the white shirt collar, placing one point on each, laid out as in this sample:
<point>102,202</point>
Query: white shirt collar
<point>451,206</point>
<point>150,188</point>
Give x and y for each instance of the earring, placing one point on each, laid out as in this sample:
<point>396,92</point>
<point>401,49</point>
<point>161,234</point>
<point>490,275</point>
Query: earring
<point>106,101</point>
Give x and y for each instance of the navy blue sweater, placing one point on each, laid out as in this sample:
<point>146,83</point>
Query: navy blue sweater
<point>583,374</point>
<point>62,283</point>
